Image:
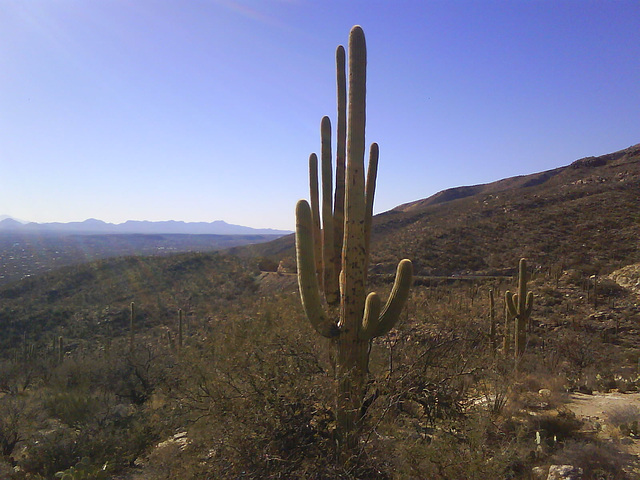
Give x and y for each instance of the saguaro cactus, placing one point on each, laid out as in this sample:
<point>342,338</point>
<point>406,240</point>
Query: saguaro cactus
<point>492,324</point>
<point>132,326</point>
<point>60,350</point>
<point>333,254</point>
<point>506,341</point>
<point>520,305</point>
<point>180,328</point>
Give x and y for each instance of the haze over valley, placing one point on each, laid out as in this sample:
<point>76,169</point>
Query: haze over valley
<point>30,248</point>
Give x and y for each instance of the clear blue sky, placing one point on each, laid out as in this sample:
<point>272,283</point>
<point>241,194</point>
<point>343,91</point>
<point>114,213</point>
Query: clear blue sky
<point>208,109</point>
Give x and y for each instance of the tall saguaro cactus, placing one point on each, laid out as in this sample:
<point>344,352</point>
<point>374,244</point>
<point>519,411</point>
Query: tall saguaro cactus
<point>520,305</point>
<point>332,245</point>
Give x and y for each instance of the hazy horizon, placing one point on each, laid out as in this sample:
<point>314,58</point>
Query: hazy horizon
<point>147,110</point>
<point>117,224</point>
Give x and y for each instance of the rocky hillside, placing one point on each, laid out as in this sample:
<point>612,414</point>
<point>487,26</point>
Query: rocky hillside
<point>582,215</point>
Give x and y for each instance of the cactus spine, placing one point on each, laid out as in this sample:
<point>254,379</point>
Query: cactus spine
<point>340,274</point>
<point>520,305</point>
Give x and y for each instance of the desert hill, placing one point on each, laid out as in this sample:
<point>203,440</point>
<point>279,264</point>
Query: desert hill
<point>582,215</point>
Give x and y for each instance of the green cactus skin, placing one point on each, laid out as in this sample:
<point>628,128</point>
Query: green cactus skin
<point>346,230</point>
<point>520,305</point>
<point>315,215</point>
<point>341,155</point>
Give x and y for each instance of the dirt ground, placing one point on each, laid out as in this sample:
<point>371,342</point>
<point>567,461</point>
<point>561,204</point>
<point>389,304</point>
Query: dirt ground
<point>604,412</point>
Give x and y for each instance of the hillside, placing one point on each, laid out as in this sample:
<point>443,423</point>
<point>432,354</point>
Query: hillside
<point>93,300</point>
<point>582,215</point>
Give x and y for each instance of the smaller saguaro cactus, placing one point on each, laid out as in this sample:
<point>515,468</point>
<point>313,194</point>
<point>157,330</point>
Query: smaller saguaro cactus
<point>60,350</point>
<point>180,327</point>
<point>520,305</point>
<point>492,323</point>
<point>506,345</point>
<point>131,326</point>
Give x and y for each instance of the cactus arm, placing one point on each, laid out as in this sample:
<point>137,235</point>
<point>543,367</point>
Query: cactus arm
<point>522,286</point>
<point>371,317</point>
<point>372,173</point>
<point>529,305</point>
<point>511,303</point>
<point>341,153</point>
<point>399,294</point>
<point>307,279</point>
<point>315,213</point>
<point>330,280</point>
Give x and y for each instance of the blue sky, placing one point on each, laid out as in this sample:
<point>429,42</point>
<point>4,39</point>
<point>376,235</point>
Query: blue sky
<point>208,109</point>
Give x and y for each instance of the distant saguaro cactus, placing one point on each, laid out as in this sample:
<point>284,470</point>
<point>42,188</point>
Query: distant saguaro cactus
<point>492,324</point>
<point>180,327</point>
<point>520,305</point>
<point>506,341</point>
<point>131,327</point>
<point>336,264</point>
<point>60,350</point>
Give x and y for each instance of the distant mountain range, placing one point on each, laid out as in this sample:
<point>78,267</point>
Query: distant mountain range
<point>96,227</point>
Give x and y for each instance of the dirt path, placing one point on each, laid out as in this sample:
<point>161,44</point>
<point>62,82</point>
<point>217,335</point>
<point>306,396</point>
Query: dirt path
<point>604,412</point>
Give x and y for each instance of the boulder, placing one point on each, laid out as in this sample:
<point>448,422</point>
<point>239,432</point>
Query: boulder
<point>564,472</point>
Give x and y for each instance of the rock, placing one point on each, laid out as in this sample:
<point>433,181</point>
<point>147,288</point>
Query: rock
<point>180,440</point>
<point>286,266</point>
<point>544,392</point>
<point>564,472</point>
<point>539,473</point>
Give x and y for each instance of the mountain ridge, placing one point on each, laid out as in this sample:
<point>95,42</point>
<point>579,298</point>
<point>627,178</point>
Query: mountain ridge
<point>93,226</point>
<point>584,214</point>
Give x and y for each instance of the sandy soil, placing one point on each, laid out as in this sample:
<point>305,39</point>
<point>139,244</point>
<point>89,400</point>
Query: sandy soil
<point>603,412</point>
